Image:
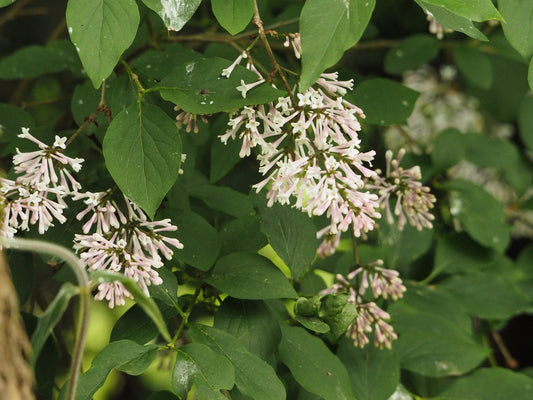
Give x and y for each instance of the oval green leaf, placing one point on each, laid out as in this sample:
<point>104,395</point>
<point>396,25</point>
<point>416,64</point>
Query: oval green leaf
<point>411,53</point>
<point>142,151</point>
<point>233,15</point>
<point>101,31</point>
<point>174,13</point>
<point>518,26</point>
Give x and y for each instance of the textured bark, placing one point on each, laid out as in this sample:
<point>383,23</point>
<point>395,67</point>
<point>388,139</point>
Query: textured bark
<point>16,377</point>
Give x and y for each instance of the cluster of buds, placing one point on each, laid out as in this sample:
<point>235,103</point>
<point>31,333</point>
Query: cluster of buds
<point>370,318</point>
<point>124,242</point>
<point>413,200</point>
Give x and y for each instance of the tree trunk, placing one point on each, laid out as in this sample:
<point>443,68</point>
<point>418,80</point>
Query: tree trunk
<point>16,377</point>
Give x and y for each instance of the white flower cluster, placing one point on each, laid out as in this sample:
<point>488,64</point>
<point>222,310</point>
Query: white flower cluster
<point>370,318</point>
<point>309,152</point>
<point>124,242</point>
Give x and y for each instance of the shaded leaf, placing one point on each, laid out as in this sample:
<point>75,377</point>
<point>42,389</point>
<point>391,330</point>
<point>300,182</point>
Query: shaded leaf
<point>196,364</point>
<point>250,276</point>
<point>474,65</point>
<point>248,320</point>
<point>411,53</point>
<point>481,215</point>
<point>383,101</point>
<point>374,373</point>
<point>253,376</point>
<point>313,365</point>
<point>518,26</point>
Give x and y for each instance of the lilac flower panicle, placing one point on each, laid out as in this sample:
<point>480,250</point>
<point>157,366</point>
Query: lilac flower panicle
<point>37,196</point>
<point>124,242</point>
<point>309,156</point>
<point>413,200</point>
<point>379,282</point>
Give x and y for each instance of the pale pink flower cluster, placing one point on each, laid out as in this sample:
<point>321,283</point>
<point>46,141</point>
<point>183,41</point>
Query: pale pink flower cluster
<point>413,200</point>
<point>382,282</point>
<point>435,27</point>
<point>37,196</point>
<point>309,154</point>
<point>124,242</point>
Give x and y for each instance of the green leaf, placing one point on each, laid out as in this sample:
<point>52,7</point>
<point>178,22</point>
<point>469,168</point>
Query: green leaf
<point>136,326</point>
<point>250,276</point>
<point>314,324</point>
<point>198,87</point>
<point>404,247</point>
<point>313,365</point>
<point>374,373</point>
<point>13,119</point>
<point>490,384</point>
<point>327,29</point>
<point>124,355</point>
<point>475,10</point>
<point>456,253</point>
<point>452,21</point>
<point>253,376</point>
<point>232,233</point>
<point>147,304</point>
<point>248,320</point>
<point>158,63</point>
<point>101,31</point>
<point>525,121</point>
<point>518,26</point>
<point>292,234</point>
<point>21,64</point>
<point>474,65</point>
<point>481,215</point>
<point>196,364</point>
<point>488,295</point>
<point>142,150</point>
<point>174,13</point>
<point>434,337</point>
<point>411,53</point>
<point>233,15</point>
<point>223,157</point>
<point>383,101</point>
<point>224,199</point>
<point>446,152</point>
<point>4,3</point>
<point>201,243</point>
<point>50,318</point>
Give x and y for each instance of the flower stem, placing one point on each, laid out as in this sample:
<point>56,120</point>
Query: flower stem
<point>83,281</point>
<point>261,30</point>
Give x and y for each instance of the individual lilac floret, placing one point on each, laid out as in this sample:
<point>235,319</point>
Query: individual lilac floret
<point>370,317</point>
<point>310,157</point>
<point>413,200</point>
<point>124,242</point>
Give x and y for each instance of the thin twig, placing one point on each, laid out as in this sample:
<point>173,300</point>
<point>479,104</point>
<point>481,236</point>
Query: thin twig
<point>509,360</point>
<point>259,23</point>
